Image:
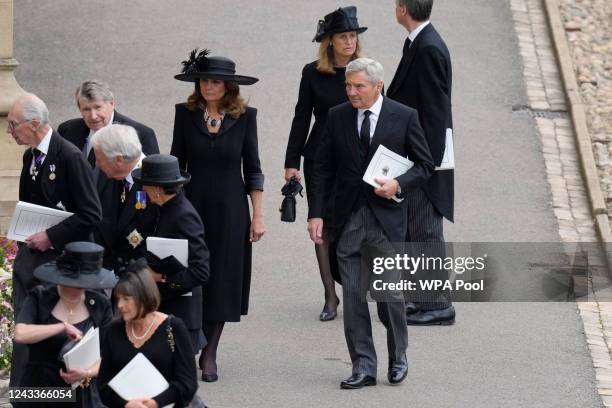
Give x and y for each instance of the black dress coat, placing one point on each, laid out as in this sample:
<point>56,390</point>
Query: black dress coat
<point>119,221</point>
<point>423,81</point>
<point>339,160</point>
<point>318,93</point>
<point>179,220</point>
<point>70,187</point>
<point>224,168</point>
<point>43,365</point>
<point>77,132</point>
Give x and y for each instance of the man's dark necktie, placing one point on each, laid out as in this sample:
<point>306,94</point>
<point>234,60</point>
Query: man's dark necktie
<point>90,157</point>
<point>364,136</point>
<point>38,159</point>
<point>406,46</point>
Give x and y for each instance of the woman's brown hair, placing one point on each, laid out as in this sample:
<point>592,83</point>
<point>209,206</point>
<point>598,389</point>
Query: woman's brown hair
<point>326,62</point>
<point>137,283</point>
<point>232,103</point>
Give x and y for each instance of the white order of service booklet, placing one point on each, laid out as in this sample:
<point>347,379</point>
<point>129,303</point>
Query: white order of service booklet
<point>28,219</point>
<point>85,353</point>
<point>164,247</point>
<point>139,379</point>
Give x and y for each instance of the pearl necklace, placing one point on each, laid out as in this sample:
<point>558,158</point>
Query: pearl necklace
<point>211,121</point>
<point>146,331</point>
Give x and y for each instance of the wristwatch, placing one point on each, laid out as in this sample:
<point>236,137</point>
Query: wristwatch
<point>398,193</point>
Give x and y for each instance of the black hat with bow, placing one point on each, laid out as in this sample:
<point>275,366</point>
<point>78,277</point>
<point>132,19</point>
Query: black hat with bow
<point>340,21</point>
<point>78,266</point>
<point>201,66</point>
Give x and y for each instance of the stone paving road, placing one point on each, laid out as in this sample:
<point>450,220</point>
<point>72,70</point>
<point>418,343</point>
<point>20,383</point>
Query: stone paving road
<point>502,355</point>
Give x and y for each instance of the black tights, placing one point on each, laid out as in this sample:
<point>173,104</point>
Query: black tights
<point>208,358</point>
<point>329,285</point>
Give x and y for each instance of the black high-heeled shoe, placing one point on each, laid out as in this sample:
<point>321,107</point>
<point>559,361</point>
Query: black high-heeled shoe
<point>326,315</point>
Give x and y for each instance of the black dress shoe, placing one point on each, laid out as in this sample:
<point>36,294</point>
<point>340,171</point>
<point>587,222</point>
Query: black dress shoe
<point>443,317</point>
<point>398,370</point>
<point>358,380</point>
<point>209,377</point>
<point>411,308</point>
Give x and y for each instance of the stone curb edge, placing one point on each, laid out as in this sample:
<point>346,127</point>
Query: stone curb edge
<point>579,121</point>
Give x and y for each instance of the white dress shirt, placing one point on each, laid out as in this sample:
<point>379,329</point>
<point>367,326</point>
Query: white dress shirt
<point>375,113</point>
<point>413,34</point>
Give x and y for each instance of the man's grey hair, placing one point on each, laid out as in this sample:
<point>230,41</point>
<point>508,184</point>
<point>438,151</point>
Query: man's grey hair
<point>373,69</point>
<point>94,90</point>
<point>118,141</point>
<point>419,10</point>
<point>34,108</point>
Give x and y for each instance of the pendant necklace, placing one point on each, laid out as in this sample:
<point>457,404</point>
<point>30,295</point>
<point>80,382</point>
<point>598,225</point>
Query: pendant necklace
<point>69,304</point>
<point>211,121</point>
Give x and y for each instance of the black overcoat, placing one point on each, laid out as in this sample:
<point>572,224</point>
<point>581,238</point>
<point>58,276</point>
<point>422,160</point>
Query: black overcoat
<point>423,81</point>
<point>77,132</point>
<point>179,220</point>
<point>118,223</point>
<point>339,169</point>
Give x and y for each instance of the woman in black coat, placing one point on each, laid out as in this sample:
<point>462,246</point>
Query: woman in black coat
<point>321,88</point>
<point>215,139</point>
<point>180,286</point>
<point>53,317</point>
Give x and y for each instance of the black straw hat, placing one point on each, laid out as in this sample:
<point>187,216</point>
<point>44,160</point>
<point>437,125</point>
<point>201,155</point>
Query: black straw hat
<point>200,66</point>
<point>78,266</point>
<point>340,21</point>
<point>160,170</point>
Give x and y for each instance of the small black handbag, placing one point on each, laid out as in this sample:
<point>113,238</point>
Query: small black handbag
<point>290,190</point>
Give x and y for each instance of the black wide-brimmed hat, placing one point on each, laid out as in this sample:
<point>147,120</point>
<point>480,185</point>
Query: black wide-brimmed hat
<point>78,266</point>
<point>340,21</point>
<point>201,66</point>
<point>160,170</point>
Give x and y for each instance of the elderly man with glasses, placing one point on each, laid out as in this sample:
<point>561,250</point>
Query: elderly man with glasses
<point>55,174</point>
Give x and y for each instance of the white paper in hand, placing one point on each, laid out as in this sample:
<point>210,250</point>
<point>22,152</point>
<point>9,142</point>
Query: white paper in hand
<point>28,219</point>
<point>448,160</point>
<point>85,353</point>
<point>386,164</point>
<point>164,247</point>
<point>139,379</point>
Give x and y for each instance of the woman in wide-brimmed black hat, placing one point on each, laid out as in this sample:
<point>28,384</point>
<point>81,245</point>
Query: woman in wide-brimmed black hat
<point>215,138</point>
<point>53,316</point>
<point>322,87</point>
<point>180,286</point>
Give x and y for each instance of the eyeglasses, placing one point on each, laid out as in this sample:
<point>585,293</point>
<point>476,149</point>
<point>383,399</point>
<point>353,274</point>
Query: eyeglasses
<point>13,125</point>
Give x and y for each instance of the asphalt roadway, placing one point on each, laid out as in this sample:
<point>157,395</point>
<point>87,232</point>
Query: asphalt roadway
<point>280,355</point>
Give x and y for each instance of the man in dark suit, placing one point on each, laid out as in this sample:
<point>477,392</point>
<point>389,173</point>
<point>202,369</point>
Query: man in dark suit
<point>97,106</point>
<point>423,81</point>
<point>127,219</point>
<point>362,214</point>
<point>54,175</point>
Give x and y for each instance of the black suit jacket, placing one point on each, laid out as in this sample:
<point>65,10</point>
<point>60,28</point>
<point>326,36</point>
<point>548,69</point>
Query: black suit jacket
<point>423,81</point>
<point>118,223</point>
<point>178,219</point>
<point>77,132</point>
<point>338,163</point>
<point>72,186</point>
